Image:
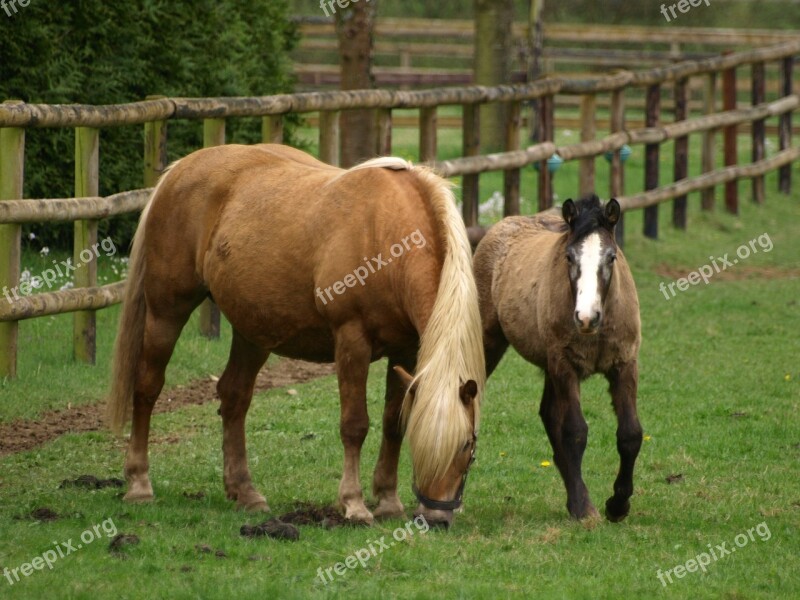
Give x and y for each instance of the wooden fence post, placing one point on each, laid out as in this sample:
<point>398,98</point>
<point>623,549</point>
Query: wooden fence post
<point>155,149</point>
<point>472,147</point>
<point>729,139</point>
<point>652,117</point>
<point>511,177</point>
<point>427,134</point>
<point>272,129</point>
<point>12,168</point>
<point>87,179</point>
<point>213,135</point>
<point>546,133</point>
<point>588,133</point>
<point>681,166</point>
<point>383,132</point>
<point>617,179</point>
<point>707,196</point>
<point>785,125</point>
<point>329,137</point>
<point>758,128</point>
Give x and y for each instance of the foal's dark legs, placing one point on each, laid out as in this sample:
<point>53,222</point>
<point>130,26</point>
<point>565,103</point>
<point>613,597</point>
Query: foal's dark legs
<point>495,345</point>
<point>623,385</point>
<point>568,431</point>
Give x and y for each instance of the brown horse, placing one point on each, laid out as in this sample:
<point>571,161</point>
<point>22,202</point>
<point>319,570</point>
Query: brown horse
<point>560,292</point>
<point>314,262</point>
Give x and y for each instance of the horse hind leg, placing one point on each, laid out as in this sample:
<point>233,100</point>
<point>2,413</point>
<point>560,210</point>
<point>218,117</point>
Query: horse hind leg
<point>235,389</point>
<point>623,386</point>
<point>160,335</point>
<point>384,481</point>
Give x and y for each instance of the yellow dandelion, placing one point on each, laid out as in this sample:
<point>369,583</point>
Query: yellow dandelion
<point>545,463</point>
<point>647,438</point>
<point>787,377</point>
<point>502,454</point>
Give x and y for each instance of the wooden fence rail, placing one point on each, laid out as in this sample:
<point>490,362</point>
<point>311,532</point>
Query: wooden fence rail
<point>154,113</point>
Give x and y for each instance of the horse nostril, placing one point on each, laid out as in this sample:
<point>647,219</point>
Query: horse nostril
<point>596,319</point>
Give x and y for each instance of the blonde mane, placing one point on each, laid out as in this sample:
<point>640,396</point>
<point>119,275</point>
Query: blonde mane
<point>451,348</point>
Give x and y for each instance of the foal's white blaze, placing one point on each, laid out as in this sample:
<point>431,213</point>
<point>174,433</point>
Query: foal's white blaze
<point>588,302</point>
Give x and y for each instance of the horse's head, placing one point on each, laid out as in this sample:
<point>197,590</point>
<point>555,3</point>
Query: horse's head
<point>440,475</point>
<point>591,252</point>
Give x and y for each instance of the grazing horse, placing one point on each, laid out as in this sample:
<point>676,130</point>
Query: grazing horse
<point>560,292</point>
<point>318,263</point>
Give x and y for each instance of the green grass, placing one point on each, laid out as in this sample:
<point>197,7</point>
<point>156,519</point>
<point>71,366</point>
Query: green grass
<point>719,395</point>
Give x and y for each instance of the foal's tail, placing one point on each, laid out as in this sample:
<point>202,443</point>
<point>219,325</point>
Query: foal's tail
<point>130,334</point>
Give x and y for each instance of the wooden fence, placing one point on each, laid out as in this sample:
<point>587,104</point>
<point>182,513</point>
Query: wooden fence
<point>422,52</point>
<point>87,207</point>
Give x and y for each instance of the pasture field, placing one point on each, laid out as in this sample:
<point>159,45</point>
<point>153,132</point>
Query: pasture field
<point>719,400</point>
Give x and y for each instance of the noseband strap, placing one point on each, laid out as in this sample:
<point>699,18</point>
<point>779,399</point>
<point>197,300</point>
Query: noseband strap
<point>448,504</point>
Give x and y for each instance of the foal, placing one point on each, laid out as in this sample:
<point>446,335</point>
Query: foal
<point>560,292</point>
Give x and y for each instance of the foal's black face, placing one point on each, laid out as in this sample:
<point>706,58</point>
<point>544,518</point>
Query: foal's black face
<point>590,256</point>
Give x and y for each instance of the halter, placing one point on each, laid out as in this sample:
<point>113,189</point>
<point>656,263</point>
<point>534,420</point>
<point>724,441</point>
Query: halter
<point>456,502</point>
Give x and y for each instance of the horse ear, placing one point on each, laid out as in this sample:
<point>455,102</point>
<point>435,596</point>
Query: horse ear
<point>569,211</point>
<point>408,380</point>
<point>613,212</point>
<point>468,392</point>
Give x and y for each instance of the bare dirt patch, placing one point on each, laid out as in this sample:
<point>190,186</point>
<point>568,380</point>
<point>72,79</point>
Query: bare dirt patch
<point>21,435</point>
<point>736,273</point>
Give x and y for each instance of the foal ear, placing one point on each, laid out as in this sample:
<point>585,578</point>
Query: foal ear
<point>467,392</point>
<point>408,380</point>
<point>613,212</point>
<point>569,211</point>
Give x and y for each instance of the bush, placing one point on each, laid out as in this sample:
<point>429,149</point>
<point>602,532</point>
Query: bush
<point>97,52</point>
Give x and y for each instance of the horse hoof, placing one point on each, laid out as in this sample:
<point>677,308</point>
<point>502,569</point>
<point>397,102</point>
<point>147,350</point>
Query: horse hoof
<point>135,497</point>
<point>255,505</point>
<point>139,491</point>
<point>389,510</point>
<point>616,513</point>
<point>359,517</point>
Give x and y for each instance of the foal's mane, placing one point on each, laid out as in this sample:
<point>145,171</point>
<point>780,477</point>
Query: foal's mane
<point>451,346</point>
<point>591,216</point>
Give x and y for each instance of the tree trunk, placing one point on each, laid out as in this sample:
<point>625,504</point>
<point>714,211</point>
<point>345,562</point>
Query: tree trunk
<point>535,46</point>
<point>493,46</point>
<point>354,28</point>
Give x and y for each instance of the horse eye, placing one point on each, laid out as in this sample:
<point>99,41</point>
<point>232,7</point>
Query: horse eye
<point>570,260</point>
<point>612,258</point>
<point>467,444</point>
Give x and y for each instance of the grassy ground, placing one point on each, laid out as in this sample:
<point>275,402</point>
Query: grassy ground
<point>720,390</point>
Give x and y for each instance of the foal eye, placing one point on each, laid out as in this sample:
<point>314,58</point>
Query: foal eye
<point>570,260</point>
<point>467,444</point>
<point>612,258</point>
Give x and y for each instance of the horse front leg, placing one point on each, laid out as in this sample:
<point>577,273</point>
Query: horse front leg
<point>384,481</point>
<point>353,356</point>
<point>568,432</point>
<point>624,382</point>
